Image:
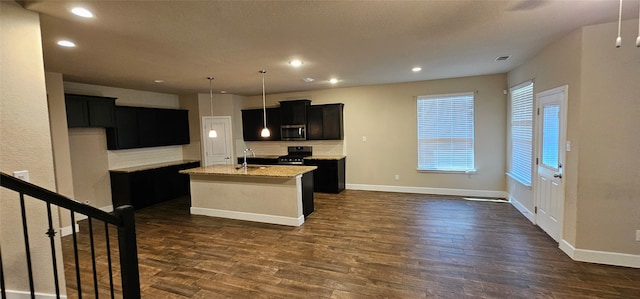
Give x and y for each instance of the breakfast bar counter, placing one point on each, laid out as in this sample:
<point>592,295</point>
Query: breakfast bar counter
<point>262,193</point>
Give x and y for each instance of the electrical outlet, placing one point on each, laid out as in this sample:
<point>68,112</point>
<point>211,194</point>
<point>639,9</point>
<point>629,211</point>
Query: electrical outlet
<point>22,174</point>
<point>638,235</point>
<point>364,138</point>
<point>397,177</point>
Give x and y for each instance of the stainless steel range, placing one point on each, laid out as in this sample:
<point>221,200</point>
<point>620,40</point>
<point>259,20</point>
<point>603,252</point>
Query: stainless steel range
<point>296,155</point>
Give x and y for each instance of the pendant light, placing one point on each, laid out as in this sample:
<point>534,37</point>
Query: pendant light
<point>619,38</point>
<point>212,132</point>
<point>265,131</point>
<point>638,38</point>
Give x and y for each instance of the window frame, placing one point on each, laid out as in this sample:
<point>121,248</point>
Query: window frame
<point>471,152</point>
<point>516,174</point>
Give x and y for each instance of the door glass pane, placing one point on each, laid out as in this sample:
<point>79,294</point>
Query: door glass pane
<point>550,135</point>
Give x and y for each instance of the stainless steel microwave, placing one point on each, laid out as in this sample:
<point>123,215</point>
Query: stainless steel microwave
<point>293,132</point>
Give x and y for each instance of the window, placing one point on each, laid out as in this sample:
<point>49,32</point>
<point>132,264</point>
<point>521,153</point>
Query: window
<point>521,128</point>
<point>445,132</point>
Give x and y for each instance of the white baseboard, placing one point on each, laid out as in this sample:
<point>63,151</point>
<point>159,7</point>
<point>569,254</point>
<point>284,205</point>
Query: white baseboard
<point>65,231</point>
<point>600,257</point>
<point>520,207</point>
<point>26,295</point>
<point>282,220</point>
<point>427,190</point>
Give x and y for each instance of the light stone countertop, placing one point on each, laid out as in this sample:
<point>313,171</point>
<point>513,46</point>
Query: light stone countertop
<point>151,166</point>
<point>335,157</point>
<point>274,171</point>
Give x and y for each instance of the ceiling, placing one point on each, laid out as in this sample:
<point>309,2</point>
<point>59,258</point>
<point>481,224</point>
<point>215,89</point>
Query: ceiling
<point>129,44</point>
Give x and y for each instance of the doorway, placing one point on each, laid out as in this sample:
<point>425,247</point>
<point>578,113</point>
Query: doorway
<point>551,146</point>
<point>217,150</point>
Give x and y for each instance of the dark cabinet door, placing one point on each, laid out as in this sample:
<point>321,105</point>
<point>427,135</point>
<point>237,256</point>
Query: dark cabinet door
<point>294,112</point>
<point>147,126</point>
<point>126,133</point>
<point>332,122</point>
<point>314,122</point>
<point>77,112</point>
<point>273,124</point>
<point>101,112</point>
<point>325,122</point>
<point>330,175</point>
<point>172,126</point>
<point>253,123</point>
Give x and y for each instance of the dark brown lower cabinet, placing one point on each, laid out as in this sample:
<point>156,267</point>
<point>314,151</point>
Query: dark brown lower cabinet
<point>330,175</point>
<point>151,186</point>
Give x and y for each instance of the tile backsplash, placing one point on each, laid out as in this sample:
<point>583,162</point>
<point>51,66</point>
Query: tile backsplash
<point>320,147</point>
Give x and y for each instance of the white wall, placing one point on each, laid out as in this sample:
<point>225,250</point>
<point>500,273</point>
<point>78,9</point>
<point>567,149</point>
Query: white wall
<point>26,145</point>
<point>601,211</point>
<point>386,116</point>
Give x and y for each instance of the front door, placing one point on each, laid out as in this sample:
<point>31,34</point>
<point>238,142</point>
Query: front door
<point>217,150</point>
<point>550,151</point>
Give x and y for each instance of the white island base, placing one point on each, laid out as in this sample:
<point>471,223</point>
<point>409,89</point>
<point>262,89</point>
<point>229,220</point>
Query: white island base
<point>249,195</point>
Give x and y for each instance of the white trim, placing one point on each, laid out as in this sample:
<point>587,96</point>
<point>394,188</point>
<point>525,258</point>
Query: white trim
<point>428,190</point>
<point>600,257</point>
<point>27,295</point>
<point>518,180</point>
<point>282,220</point>
<point>65,231</point>
<point>520,207</point>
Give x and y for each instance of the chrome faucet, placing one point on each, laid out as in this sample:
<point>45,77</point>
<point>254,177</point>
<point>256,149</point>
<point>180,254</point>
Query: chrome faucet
<point>244,153</point>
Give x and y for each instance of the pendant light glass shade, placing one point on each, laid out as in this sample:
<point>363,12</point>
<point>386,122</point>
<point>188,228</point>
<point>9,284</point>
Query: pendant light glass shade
<point>265,131</point>
<point>212,132</point>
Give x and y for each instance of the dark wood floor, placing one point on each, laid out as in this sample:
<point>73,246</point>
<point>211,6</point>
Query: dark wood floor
<point>358,244</point>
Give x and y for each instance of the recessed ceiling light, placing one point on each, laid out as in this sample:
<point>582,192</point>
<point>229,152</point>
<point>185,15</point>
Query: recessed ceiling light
<point>416,69</point>
<point>333,80</point>
<point>223,91</point>
<point>295,62</point>
<point>503,58</point>
<point>66,43</point>
<point>308,79</point>
<point>82,12</point>
<point>158,81</point>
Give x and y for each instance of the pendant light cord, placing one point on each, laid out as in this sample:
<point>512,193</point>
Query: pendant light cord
<point>638,38</point>
<point>264,108</point>
<point>619,38</point>
<point>211,93</point>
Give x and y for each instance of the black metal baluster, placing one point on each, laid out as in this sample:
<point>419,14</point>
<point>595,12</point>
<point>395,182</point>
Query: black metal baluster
<point>26,245</point>
<point>2,286</point>
<point>106,230</point>
<point>93,258</point>
<point>52,233</point>
<point>75,253</point>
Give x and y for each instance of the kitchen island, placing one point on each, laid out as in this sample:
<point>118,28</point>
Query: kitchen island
<point>262,193</point>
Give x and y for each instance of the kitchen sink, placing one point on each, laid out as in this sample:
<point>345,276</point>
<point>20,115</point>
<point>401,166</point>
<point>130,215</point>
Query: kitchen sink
<point>252,167</point>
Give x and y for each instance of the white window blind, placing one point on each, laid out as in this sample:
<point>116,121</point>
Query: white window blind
<point>521,132</point>
<point>445,132</point>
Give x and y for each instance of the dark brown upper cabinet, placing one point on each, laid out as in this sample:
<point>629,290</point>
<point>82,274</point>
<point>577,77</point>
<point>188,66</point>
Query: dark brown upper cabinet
<point>325,122</point>
<point>294,112</point>
<point>85,111</point>
<point>138,127</point>
<point>253,123</point>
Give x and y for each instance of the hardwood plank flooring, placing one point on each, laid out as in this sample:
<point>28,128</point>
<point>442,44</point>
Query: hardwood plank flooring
<point>356,244</point>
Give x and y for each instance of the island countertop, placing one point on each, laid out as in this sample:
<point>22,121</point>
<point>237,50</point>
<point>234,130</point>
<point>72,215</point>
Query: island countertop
<point>275,171</point>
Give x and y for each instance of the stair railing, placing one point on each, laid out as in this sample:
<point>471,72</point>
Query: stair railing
<point>122,218</point>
